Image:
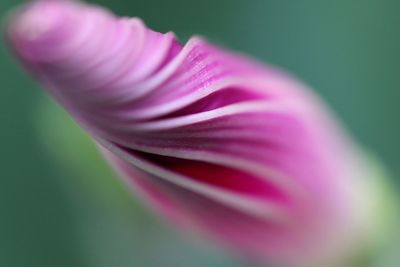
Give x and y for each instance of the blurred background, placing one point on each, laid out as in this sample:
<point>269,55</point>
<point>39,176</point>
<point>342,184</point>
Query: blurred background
<point>60,205</point>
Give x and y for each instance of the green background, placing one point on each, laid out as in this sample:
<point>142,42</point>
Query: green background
<point>57,211</point>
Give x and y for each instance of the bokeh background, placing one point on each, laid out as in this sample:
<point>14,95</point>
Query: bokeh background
<point>60,205</point>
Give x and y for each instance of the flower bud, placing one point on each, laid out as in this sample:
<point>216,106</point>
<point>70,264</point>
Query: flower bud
<point>218,143</point>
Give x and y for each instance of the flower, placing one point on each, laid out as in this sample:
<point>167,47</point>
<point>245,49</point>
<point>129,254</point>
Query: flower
<point>218,143</point>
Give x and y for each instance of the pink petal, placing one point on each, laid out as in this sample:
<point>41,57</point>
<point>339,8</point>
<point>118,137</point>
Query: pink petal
<point>217,142</point>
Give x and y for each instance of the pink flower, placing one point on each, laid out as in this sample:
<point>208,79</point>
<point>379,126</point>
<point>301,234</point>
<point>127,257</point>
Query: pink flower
<point>217,142</point>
